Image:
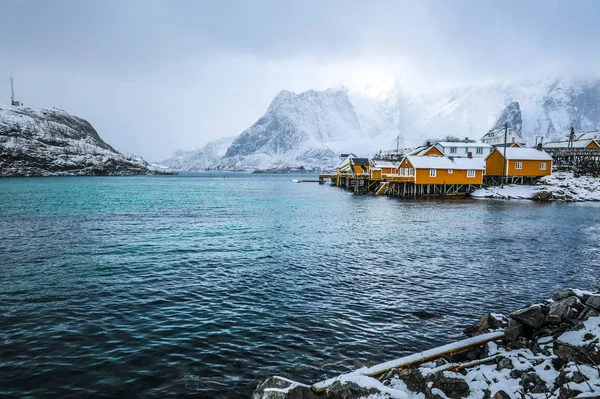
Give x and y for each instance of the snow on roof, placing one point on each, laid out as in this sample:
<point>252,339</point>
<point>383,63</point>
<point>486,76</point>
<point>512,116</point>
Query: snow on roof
<point>462,144</point>
<point>564,144</point>
<point>525,154</point>
<point>385,164</point>
<point>446,163</point>
<point>589,136</point>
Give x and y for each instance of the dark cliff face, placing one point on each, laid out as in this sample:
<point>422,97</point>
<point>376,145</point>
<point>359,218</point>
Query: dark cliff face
<point>51,142</point>
<point>512,115</point>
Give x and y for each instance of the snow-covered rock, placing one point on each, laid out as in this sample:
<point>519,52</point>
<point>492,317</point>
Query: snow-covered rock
<point>205,158</point>
<point>51,142</point>
<point>560,186</point>
<point>555,359</point>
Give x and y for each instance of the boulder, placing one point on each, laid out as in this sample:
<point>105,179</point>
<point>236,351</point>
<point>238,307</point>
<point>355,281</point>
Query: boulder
<point>566,393</point>
<point>532,316</point>
<point>486,323</point>
<point>501,395</point>
<point>513,331</point>
<point>563,309</point>
<point>564,293</point>
<point>593,302</point>
<point>414,380</point>
<point>531,382</point>
<point>542,196</point>
<point>348,390</point>
<point>455,388</point>
<point>505,363</point>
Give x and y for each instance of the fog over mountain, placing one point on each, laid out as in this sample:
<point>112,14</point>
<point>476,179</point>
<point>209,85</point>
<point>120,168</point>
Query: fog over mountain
<point>312,128</point>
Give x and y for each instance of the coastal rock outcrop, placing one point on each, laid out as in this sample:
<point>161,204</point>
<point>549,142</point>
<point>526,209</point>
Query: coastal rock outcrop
<point>52,142</point>
<point>548,350</point>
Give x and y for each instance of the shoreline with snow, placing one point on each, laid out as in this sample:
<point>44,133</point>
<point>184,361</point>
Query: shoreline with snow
<point>547,350</point>
<point>560,186</point>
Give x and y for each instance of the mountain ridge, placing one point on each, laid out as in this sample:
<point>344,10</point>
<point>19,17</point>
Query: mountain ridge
<point>311,128</point>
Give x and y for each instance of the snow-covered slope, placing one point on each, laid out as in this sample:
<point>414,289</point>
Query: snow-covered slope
<point>51,142</point>
<point>306,129</point>
<point>205,158</point>
<point>311,128</point>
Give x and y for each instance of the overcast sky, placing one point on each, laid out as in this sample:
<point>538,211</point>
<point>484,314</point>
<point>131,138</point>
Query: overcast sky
<point>156,76</point>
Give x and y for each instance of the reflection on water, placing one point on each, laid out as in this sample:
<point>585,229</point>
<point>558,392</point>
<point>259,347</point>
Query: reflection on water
<point>187,286</point>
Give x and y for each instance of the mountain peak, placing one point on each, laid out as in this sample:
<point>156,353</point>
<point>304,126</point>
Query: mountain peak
<point>511,115</point>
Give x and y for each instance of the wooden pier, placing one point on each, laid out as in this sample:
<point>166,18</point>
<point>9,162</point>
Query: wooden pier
<point>395,187</point>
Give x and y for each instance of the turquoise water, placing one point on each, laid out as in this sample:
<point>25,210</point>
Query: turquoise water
<point>201,285</point>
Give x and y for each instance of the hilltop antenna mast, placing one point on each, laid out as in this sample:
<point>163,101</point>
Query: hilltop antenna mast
<point>12,94</point>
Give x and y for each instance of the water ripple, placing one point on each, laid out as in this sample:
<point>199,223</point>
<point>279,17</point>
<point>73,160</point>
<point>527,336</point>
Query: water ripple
<point>193,286</point>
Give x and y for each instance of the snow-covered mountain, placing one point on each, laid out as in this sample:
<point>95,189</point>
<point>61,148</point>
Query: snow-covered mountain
<point>51,142</point>
<point>205,158</point>
<point>312,128</point>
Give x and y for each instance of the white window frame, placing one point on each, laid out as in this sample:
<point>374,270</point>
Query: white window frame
<point>542,165</point>
<point>470,172</point>
<point>450,171</point>
<point>518,165</point>
<point>466,150</point>
<point>480,150</point>
<point>402,171</point>
<point>411,172</point>
<point>432,172</point>
<point>452,150</point>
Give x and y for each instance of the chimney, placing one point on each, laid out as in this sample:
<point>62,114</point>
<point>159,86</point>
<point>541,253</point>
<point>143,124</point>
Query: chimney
<point>428,144</point>
<point>539,146</point>
<point>470,154</point>
<point>466,139</point>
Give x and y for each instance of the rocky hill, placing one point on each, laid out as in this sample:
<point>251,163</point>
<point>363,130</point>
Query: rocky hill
<point>52,142</point>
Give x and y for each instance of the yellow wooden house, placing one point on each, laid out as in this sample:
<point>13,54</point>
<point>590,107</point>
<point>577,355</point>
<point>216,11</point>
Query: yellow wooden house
<point>441,170</point>
<point>520,162</point>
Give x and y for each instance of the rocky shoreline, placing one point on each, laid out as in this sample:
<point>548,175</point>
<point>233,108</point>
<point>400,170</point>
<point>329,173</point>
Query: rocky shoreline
<point>560,186</point>
<point>548,350</point>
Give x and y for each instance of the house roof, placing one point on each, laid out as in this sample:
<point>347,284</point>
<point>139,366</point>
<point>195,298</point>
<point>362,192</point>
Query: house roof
<point>595,135</point>
<point>420,151</point>
<point>384,164</point>
<point>462,144</point>
<point>575,143</point>
<point>500,133</point>
<point>524,154</point>
<point>446,163</point>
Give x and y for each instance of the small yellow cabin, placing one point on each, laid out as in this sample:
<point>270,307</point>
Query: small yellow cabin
<point>380,169</point>
<point>520,162</point>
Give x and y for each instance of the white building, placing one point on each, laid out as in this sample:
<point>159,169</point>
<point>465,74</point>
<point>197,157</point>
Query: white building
<point>462,149</point>
<point>496,137</point>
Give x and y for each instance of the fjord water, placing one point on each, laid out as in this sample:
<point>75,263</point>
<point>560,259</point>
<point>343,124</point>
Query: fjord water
<point>200,285</point>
